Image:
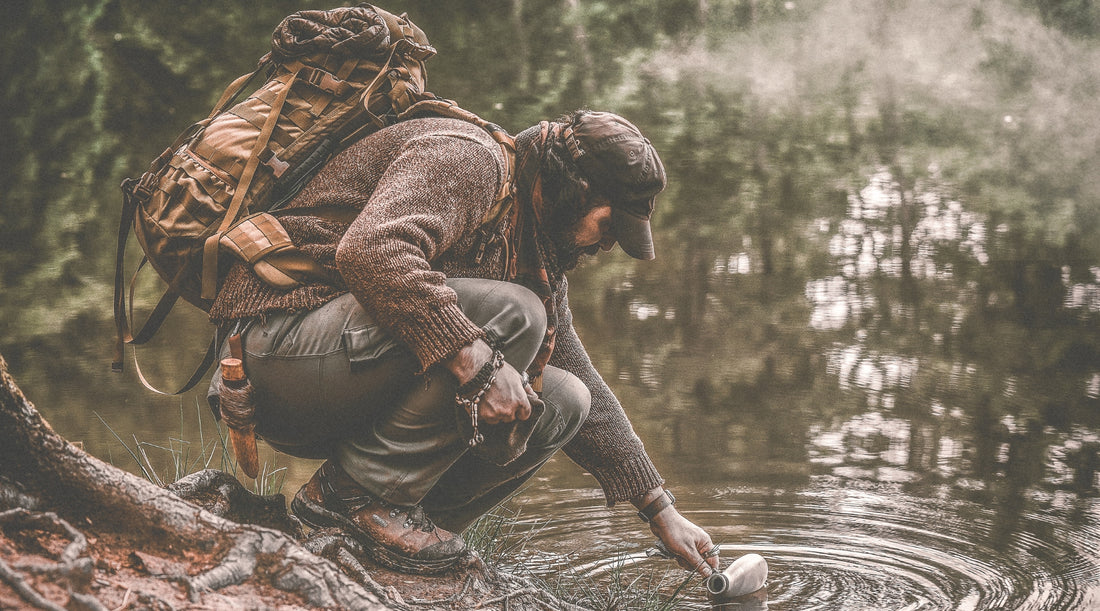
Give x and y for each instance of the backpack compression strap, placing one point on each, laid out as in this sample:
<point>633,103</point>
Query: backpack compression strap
<point>134,192</point>
<point>210,247</point>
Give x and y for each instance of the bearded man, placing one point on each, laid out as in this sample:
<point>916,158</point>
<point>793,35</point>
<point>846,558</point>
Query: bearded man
<point>439,368</point>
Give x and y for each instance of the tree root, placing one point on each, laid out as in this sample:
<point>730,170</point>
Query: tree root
<point>288,567</point>
<point>224,496</point>
<point>24,590</point>
<point>70,569</point>
<point>345,551</point>
<point>469,581</point>
<point>67,478</point>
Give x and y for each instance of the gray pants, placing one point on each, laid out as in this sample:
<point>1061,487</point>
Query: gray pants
<point>330,383</point>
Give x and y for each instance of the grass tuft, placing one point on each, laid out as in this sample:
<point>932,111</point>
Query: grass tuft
<point>502,537</point>
<point>182,457</point>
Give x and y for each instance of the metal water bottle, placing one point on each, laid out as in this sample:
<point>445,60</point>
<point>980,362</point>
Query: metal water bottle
<point>743,579</point>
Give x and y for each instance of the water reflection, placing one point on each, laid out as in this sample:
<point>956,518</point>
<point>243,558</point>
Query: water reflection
<point>846,543</point>
<point>925,437</point>
<point>1084,295</point>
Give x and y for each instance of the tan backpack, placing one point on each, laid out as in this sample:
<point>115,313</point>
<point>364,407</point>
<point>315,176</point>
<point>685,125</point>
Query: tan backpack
<point>332,77</point>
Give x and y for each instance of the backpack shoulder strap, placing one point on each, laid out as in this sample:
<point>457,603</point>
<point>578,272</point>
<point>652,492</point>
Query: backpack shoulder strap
<point>439,107</point>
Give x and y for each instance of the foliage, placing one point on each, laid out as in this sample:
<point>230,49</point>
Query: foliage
<point>181,456</point>
<point>768,114</point>
<point>772,117</point>
<point>758,106</point>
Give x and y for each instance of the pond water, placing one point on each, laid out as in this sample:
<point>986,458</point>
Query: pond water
<point>871,460</point>
<point>868,349</point>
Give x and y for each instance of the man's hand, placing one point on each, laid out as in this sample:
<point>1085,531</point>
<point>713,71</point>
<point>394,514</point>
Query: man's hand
<point>507,399</point>
<point>687,541</point>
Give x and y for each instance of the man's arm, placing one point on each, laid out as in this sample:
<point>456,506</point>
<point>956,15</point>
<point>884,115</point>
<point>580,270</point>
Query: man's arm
<point>434,192</point>
<point>606,445</point>
<point>610,450</point>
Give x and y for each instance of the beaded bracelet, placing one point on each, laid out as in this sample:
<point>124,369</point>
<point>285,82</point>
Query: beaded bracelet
<point>489,368</point>
<point>485,377</point>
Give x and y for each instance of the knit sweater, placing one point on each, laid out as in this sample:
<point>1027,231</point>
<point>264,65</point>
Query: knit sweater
<point>423,188</point>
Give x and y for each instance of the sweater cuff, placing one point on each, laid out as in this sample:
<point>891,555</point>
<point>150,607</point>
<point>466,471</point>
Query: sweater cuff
<point>439,334</point>
<point>628,479</point>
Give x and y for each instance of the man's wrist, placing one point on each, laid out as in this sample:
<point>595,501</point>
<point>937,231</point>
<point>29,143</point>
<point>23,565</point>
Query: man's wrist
<point>647,497</point>
<point>653,503</point>
<point>468,360</point>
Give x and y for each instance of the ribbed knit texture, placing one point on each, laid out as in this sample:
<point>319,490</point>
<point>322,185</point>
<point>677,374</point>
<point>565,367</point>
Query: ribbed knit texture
<point>423,188</point>
<point>606,445</point>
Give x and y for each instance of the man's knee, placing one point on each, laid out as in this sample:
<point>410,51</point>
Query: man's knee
<point>509,313</point>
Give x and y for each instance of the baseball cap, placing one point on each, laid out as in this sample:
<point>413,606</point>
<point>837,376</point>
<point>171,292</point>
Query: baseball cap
<point>622,164</point>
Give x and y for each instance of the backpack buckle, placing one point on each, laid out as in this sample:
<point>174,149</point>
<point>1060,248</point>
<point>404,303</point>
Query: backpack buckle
<point>414,50</point>
<point>278,166</point>
<point>325,81</point>
<point>571,143</point>
<point>140,189</point>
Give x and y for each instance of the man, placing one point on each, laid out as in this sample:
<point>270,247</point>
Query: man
<point>439,369</point>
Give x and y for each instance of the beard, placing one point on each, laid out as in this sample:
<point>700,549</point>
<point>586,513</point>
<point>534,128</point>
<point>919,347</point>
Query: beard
<point>566,199</point>
<point>570,255</point>
<point>561,231</point>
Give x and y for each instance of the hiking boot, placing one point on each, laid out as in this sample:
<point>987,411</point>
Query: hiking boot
<point>401,538</point>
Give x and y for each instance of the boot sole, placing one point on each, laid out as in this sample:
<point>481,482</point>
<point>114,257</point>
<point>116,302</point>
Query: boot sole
<point>318,517</point>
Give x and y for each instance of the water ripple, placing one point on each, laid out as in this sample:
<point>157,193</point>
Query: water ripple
<point>857,546</point>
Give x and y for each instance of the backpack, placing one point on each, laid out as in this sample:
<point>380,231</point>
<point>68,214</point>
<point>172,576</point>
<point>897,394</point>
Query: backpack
<point>332,77</point>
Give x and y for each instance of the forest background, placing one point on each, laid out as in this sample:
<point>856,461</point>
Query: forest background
<point>771,116</point>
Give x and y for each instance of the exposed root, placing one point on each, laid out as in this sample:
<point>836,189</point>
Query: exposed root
<point>288,567</point>
<point>71,570</point>
<point>470,579</point>
<point>77,484</point>
<point>223,495</point>
<point>345,551</point>
<point>24,590</point>
<point>237,566</point>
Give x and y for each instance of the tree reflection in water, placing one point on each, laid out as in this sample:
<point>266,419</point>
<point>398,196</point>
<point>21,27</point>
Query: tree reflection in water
<point>922,360</point>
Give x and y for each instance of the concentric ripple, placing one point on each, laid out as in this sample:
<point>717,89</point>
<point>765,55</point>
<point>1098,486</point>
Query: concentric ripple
<point>845,545</point>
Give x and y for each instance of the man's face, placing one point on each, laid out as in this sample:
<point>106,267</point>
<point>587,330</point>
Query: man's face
<point>593,231</point>
<point>585,237</point>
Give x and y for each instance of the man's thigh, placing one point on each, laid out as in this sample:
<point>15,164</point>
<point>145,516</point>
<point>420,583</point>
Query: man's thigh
<point>473,478</point>
<point>322,375</point>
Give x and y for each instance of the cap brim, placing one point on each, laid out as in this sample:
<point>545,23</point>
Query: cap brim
<point>633,234</point>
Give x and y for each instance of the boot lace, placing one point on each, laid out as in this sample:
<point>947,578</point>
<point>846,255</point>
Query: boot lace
<point>414,517</point>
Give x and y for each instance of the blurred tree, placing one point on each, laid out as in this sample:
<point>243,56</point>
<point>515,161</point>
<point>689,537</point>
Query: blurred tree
<point>1078,17</point>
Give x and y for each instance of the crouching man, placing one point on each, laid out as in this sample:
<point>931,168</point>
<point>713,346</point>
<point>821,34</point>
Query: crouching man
<point>439,368</point>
